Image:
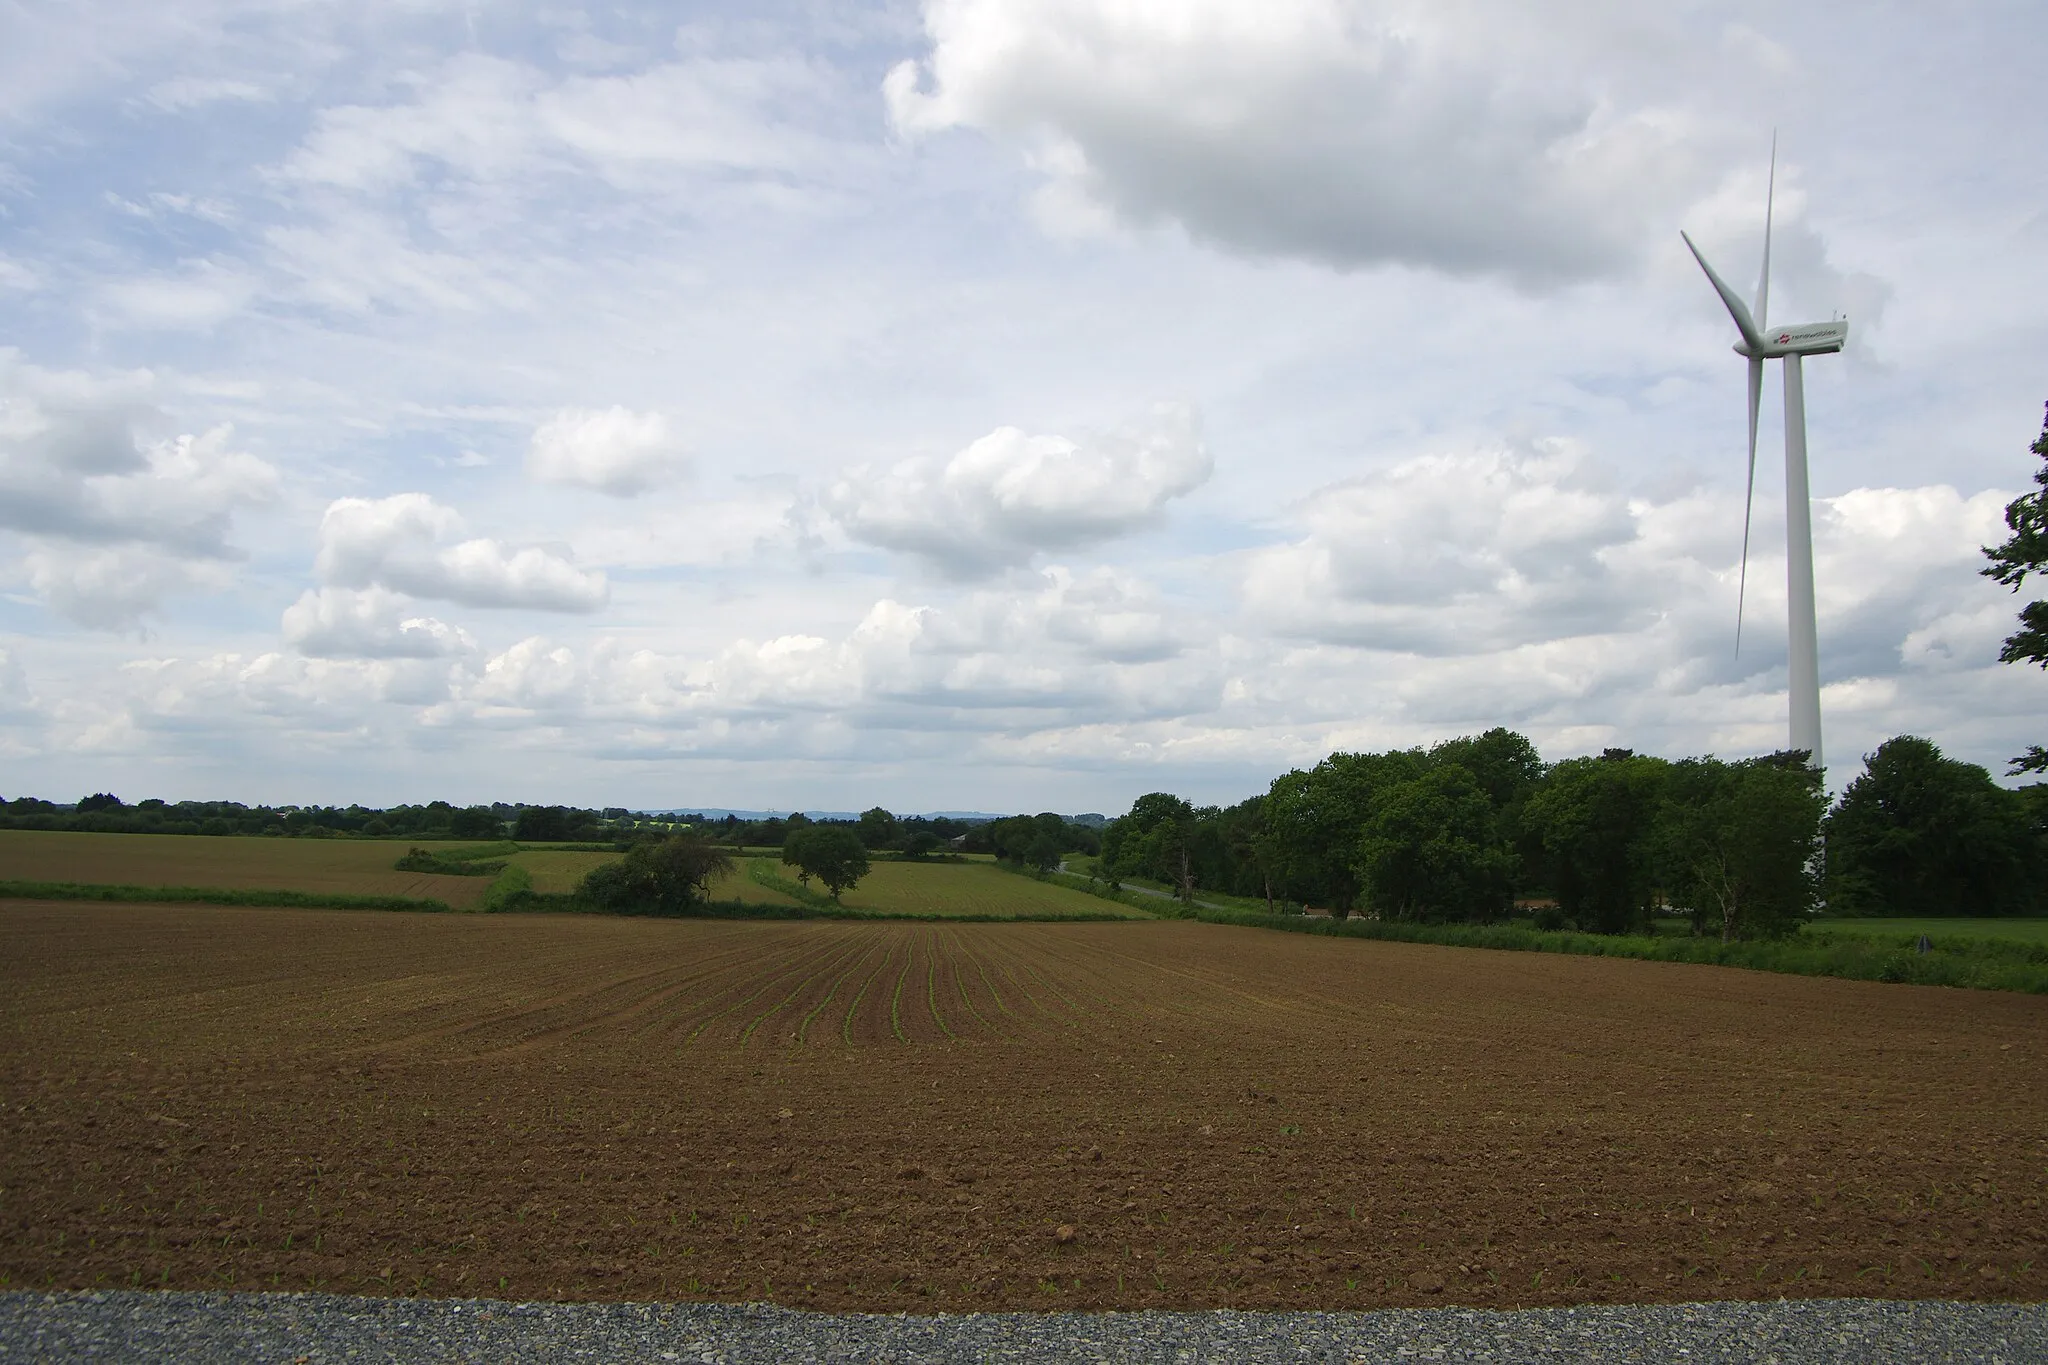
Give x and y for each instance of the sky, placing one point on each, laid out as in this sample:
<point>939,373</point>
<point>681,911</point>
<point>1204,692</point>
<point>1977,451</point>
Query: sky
<point>988,404</point>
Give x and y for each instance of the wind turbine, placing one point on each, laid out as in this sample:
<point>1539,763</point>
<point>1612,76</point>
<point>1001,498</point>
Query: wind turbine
<point>1761,342</point>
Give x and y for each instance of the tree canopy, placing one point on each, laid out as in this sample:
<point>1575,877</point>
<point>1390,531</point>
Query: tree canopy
<point>1921,834</point>
<point>1737,842</point>
<point>1597,819</point>
<point>1430,849</point>
<point>658,878</point>
<point>878,828</point>
<point>833,854</point>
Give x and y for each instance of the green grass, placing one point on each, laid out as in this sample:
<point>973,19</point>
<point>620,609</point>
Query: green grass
<point>544,881</point>
<point>507,890</point>
<point>2030,930</point>
<point>945,891</point>
<point>1976,963</point>
<point>419,859</point>
<point>469,853</point>
<point>981,890</point>
<point>560,869</point>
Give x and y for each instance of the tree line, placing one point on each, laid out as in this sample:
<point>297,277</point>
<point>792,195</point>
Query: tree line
<point>106,813</point>
<point>1480,828</point>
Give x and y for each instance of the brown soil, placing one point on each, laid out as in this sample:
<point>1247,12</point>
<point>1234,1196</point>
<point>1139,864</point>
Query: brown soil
<point>897,1117</point>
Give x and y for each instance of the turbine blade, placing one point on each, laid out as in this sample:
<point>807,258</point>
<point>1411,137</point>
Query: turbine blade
<point>1763,284</point>
<point>1756,393</point>
<point>1752,338</point>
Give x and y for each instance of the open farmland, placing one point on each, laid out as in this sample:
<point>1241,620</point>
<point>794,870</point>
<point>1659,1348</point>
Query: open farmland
<point>559,870</point>
<point>969,888</point>
<point>906,1116</point>
<point>364,867</point>
<point>738,886</point>
<point>356,867</point>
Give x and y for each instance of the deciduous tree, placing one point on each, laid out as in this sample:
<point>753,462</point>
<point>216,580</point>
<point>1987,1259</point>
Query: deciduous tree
<point>1313,821</point>
<point>1430,850</point>
<point>1737,843</point>
<point>1921,834</point>
<point>664,878</point>
<point>1596,818</point>
<point>878,828</point>
<point>833,854</point>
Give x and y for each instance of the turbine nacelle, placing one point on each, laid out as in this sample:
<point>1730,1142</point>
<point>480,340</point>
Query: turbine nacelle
<point>1810,338</point>
<point>1758,342</point>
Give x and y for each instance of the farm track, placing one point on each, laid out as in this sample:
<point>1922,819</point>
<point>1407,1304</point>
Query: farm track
<point>899,1116</point>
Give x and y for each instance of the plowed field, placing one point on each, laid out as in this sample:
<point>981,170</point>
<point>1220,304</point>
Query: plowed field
<point>940,1117</point>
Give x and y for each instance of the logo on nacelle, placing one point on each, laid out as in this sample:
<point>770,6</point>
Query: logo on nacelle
<point>1784,337</point>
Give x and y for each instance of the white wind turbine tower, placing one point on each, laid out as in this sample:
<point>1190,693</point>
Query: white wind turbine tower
<point>1761,342</point>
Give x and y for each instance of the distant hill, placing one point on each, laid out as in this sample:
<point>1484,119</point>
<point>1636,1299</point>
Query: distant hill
<point>1091,819</point>
<point>720,812</point>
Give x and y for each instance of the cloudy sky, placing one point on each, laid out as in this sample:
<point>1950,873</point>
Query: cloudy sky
<point>998,404</point>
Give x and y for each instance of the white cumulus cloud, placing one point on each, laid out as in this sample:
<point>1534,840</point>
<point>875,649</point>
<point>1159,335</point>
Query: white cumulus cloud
<point>1458,552</point>
<point>400,543</point>
<point>368,623</point>
<point>612,450</point>
<point>1010,495</point>
<point>1483,136</point>
<point>106,521</point>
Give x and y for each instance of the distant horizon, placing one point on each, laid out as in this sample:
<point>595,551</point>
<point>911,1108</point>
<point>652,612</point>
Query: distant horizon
<point>708,812</point>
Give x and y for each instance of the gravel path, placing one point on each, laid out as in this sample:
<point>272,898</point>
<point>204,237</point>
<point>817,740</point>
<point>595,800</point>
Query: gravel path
<point>318,1328</point>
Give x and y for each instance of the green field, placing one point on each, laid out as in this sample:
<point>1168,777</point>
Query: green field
<point>2030,930</point>
<point>357,867</point>
<point>738,886</point>
<point>970,888</point>
<point>364,867</point>
<point>557,870</point>
<point>975,888</point>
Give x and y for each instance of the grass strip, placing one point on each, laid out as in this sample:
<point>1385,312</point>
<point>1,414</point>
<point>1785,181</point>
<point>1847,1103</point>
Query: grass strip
<point>214,895</point>
<point>1151,907</point>
<point>510,892</point>
<point>528,902</point>
<point>419,859</point>
<point>762,873</point>
<point>512,883</point>
<point>1976,964</point>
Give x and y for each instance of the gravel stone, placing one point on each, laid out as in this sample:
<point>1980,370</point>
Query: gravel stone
<point>314,1329</point>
